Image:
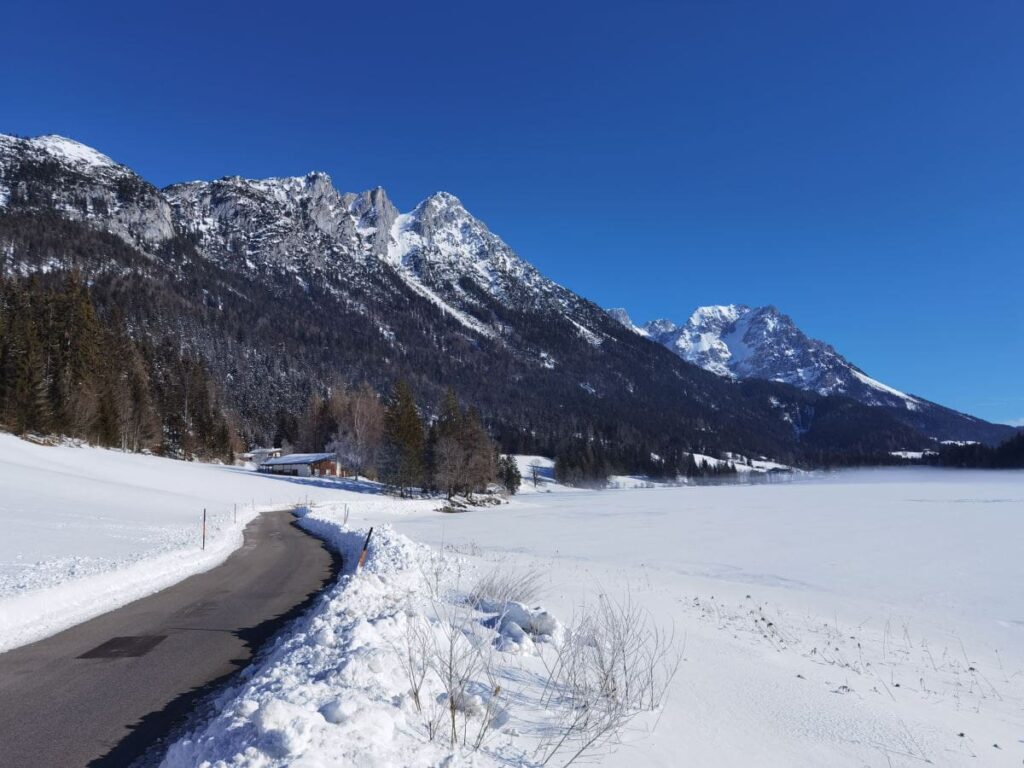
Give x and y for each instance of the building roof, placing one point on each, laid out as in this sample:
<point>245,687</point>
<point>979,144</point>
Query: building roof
<point>300,458</point>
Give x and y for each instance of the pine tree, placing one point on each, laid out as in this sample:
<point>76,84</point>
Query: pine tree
<point>403,467</point>
<point>509,475</point>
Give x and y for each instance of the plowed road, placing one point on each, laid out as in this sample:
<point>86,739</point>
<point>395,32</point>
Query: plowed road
<point>103,692</point>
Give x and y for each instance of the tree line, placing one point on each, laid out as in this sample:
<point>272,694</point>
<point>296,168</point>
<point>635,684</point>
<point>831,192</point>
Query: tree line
<point>589,461</point>
<point>1007,455</point>
<point>268,342</point>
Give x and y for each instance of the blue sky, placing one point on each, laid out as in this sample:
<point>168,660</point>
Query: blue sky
<point>858,164</point>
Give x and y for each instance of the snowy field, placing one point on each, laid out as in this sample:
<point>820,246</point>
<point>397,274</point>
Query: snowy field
<point>869,619</point>
<point>873,618</point>
<point>85,530</point>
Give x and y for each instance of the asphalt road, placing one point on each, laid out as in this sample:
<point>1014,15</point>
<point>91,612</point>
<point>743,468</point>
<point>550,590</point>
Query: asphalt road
<point>104,692</point>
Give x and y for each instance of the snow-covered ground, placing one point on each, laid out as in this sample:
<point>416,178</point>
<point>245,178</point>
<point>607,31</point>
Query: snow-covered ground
<point>867,619</point>
<point>870,618</point>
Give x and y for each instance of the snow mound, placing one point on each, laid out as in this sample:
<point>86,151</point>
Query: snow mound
<point>331,686</point>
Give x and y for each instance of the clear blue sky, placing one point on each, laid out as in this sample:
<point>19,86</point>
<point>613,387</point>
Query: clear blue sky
<point>858,164</point>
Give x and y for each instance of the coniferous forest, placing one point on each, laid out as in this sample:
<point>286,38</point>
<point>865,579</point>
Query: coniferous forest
<point>67,369</point>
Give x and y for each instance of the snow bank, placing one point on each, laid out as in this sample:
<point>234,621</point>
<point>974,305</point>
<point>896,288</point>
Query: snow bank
<point>332,687</point>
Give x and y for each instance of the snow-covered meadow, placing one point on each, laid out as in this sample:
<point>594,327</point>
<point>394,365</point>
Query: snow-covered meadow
<point>870,618</point>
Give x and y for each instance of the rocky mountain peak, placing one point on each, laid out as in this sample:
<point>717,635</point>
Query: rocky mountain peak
<point>56,173</point>
<point>717,314</point>
<point>620,314</point>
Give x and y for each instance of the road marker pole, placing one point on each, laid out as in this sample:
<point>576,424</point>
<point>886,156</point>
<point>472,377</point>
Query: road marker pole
<point>236,514</point>
<point>204,528</point>
<point>362,555</point>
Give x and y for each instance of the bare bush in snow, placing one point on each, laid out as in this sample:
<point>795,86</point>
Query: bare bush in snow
<point>613,664</point>
<point>504,585</point>
<point>452,674</point>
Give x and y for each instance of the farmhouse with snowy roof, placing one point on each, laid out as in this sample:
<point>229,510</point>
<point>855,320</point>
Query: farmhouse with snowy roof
<point>304,465</point>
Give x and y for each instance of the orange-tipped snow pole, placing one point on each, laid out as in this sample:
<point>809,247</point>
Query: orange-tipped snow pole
<point>362,555</point>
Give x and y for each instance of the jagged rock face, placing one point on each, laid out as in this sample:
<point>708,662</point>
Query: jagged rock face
<point>620,315</point>
<point>305,228</point>
<point>54,173</point>
<point>301,225</point>
<point>375,216</point>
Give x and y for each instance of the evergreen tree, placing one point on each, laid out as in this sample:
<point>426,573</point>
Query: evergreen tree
<point>403,466</point>
<point>509,475</point>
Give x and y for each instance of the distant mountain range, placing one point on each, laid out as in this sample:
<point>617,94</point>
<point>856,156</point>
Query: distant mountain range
<point>740,342</point>
<point>283,286</point>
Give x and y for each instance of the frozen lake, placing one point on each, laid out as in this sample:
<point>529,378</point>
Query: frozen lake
<point>895,599</point>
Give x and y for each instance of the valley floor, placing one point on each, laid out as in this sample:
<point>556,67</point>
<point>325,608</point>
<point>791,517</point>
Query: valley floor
<point>869,618</point>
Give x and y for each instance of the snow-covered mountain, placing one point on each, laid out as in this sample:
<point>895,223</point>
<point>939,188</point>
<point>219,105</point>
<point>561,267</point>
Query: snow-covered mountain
<point>304,230</point>
<point>305,227</point>
<point>284,284</point>
<point>741,342</point>
<point>299,225</point>
<point>52,173</point>
<point>761,342</point>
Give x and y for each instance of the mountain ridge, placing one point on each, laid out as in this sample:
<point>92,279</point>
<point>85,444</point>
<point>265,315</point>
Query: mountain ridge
<point>282,284</point>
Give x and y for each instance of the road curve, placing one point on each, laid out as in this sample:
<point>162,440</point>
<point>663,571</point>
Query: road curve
<point>103,692</point>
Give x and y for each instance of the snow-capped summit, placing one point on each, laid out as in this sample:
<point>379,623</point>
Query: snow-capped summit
<point>56,173</point>
<point>742,342</point>
<point>442,244</point>
<point>70,151</point>
<point>737,341</point>
<point>451,257</point>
